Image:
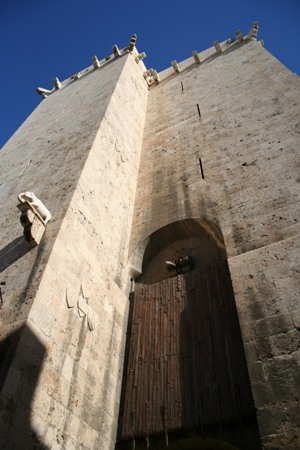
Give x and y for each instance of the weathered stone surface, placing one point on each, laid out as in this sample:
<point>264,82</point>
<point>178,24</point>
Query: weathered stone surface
<point>84,166</point>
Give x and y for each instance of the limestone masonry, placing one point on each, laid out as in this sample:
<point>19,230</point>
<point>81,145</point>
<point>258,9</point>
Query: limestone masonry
<point>159,307</point>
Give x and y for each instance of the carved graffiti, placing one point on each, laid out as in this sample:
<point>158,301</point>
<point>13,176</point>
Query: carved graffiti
<point>79,298</point>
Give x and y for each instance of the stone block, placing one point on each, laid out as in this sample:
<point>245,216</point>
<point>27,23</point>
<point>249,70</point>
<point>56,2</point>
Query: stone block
<point>296,319</point>
<point>289,440</point>
<point>70,443</point>
<point>288,284</point>
<point>274,305</point>
<point>63,392</point>
<point>45,320</point>
<point>285,343</point>
<point>72,424</point>
<point>262,394</point>
<point>256,372</point>
<point>248,332</point>
<point>252,311</point>
<point>57,414</point>
<point>279,372</point>
<point>270,420</point>
<point>274,325</point>
<point>264,348</point>
<point>67,367</point>
<point>39,425</point>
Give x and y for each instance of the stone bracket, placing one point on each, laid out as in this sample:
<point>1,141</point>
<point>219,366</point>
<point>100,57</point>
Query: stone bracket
<point>151,76</point>
<point>34,225</point>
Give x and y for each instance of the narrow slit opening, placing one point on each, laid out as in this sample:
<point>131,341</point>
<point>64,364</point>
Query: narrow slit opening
<point>201,168</point>
<point>199,112</point>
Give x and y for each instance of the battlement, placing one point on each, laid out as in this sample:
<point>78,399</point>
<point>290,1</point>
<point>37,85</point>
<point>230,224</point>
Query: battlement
<point>204,57</point>
<point>97,64</point>
<point>151,76</point>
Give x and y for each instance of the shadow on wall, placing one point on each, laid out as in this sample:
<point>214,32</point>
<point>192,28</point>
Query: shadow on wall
<point>13,251</point>
<point>215,387</point>
<point>21,357</point>
<point>214,379</point>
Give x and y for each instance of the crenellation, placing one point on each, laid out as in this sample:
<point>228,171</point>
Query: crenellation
<point>96,62</point>
<point>131,45</point>
<point>43,92</point>
<point>239,35</point>
<point>76,76</point>
<point>151,76</point>
<point>116,51</point>
<point>57,83</point>
<point>140,57</point>
<point>196,57</point>
<point>253,31</point>
<point>175,66</point>
<point>217,47</point>
<point>96,65</point>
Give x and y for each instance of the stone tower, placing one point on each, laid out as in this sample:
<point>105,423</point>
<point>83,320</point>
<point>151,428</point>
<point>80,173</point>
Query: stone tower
<point>174,201</point>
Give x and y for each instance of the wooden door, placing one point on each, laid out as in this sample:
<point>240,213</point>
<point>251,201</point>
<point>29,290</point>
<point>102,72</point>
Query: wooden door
<point>185,365</point>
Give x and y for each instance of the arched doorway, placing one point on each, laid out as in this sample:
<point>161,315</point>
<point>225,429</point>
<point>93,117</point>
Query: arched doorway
<point>185,369</point>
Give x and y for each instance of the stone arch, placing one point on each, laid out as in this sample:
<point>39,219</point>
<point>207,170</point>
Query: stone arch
<point>162,242</point>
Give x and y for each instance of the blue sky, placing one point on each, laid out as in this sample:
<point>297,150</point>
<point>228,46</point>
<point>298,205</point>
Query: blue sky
<point>41,39</point>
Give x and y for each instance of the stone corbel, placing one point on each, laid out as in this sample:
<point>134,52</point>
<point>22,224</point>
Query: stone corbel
<point>96,62</point>
<point>76,76</point>
<point>217,47</point>
<point>132,42</point>
<point>57,83</point>
<point>43,92</point>
<point>140,57</point>
<point>196,57</point>
<point>34,217</point>
<point>155,75</point>
<point>116,51</point>
<point>175,66</point>
<point>239,35</point>
<point>151,76</point>
<point>253,31</point>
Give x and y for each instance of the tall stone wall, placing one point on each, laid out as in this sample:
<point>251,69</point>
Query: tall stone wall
<point>64,302</point>
<point>236,115</point>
